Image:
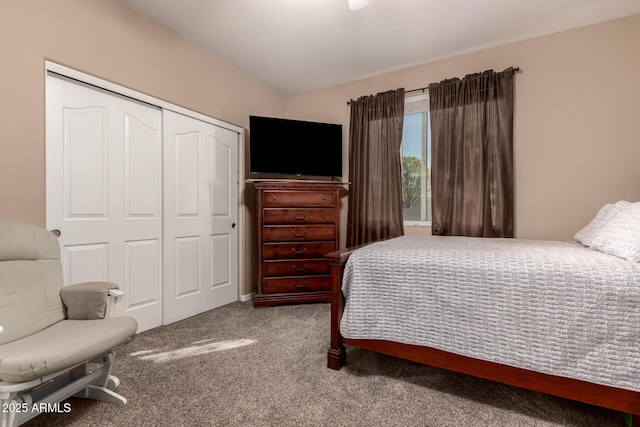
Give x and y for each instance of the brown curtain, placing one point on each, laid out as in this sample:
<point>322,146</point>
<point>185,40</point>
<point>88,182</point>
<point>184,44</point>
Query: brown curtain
<point>375,199</point>
<point>472,155</point>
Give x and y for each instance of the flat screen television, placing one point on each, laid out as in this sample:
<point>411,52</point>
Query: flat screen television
<point>294,147</point>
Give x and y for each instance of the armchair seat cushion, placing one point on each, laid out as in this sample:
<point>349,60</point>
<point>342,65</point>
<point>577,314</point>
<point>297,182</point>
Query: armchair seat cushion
<point>62,345</point>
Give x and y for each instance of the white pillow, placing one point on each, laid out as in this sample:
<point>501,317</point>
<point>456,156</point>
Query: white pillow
<point>604,215</point>
<point>621,235</point>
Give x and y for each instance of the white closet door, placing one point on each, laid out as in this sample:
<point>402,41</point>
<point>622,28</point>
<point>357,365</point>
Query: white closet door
<point>200,216</point>
<point>104,192</point>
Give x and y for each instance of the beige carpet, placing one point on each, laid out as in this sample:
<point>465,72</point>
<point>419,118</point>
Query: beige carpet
<point>240,366</point>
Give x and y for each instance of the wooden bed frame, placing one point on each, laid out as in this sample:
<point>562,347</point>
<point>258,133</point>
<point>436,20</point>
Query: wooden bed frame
<point>583,391</point>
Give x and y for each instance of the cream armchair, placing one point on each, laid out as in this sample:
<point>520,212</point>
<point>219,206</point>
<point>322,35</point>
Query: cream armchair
<point>55,341</point>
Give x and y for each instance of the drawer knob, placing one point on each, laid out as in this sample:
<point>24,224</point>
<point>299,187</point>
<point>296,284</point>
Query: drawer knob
<point>298,234</point>
<point>297,286</point>
<point>297,252</point>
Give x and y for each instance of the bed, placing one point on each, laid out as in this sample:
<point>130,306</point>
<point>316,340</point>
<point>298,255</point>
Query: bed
<point>561,318</point>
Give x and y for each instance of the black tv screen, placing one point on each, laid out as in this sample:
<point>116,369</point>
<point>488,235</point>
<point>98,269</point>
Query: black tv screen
<point>294,147</point>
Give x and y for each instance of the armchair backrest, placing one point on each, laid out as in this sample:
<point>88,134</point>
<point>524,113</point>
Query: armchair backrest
<point>30,280</point>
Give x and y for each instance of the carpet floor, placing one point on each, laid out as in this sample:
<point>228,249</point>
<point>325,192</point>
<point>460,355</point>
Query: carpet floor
<point>240,366</point>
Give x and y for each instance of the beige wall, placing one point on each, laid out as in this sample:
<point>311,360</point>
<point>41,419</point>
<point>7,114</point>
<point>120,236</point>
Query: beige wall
<point>110,40</point>
<point>577,119</point>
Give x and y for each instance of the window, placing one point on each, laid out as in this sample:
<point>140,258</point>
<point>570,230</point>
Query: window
<point>416,161</point>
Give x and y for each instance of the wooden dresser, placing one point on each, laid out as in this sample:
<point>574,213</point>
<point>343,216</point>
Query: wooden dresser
<point>298,223</point>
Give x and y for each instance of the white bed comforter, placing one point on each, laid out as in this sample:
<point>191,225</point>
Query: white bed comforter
<point>552,307</point>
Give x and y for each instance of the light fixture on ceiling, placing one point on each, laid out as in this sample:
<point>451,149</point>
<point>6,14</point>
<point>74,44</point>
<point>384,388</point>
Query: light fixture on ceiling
<point>357,4</point>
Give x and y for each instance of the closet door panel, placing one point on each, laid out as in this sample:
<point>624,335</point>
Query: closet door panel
<point>103,192</point>
<point>200,181</point>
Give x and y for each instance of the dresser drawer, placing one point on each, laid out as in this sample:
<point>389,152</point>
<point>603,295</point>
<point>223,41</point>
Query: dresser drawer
<point>298,216</point>
<point>296,284</point>
<point>295,267</point>
<point>283,233</point>
<point>298,198</point>
<point>296,250</point>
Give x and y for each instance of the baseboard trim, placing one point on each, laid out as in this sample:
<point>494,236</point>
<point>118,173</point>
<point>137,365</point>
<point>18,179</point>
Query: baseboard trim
<point>246,297</point>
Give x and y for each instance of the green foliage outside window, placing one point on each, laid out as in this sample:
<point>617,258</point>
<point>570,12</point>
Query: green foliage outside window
<point>411,181</point>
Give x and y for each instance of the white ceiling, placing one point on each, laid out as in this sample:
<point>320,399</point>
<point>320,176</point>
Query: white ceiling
<point>300,45</point>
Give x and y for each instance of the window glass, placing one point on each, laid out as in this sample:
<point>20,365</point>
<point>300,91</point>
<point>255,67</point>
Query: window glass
<point>416,161</point>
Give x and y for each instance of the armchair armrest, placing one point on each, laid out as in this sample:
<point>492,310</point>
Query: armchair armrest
<point>116,293</point>
<point>89,300</point>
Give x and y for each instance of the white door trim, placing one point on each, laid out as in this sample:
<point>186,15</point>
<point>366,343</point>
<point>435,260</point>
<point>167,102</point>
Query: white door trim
<point>131,93</point>
<point>134,94</point>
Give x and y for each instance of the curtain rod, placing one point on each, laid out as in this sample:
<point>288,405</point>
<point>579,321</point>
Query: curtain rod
<point>426,89</point>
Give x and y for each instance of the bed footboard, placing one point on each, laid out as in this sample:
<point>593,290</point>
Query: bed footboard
<point>336,356</point>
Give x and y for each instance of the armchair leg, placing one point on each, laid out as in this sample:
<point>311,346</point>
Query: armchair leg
<point>103,388</point>
<point>91,380</point>
<point>105,395</point>
<point>8,418</point>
